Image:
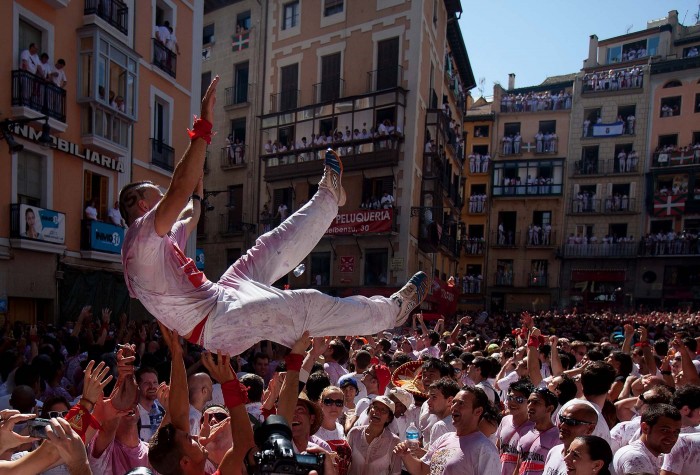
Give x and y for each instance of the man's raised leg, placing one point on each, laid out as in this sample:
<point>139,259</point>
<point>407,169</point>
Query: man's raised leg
<point>278,252</point>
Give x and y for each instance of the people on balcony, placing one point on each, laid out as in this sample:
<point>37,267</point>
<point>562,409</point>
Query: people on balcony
<point>387,201</point>
<point>58,76</point>
<point>669,243</point>
<point>91,210</point>
<point>477,203</point>
<point>29,59</point>
<point>614,79</point>
<point>477,163</point>
<point>171,42</point>
<point>535,102</point>
<point>115,217</point>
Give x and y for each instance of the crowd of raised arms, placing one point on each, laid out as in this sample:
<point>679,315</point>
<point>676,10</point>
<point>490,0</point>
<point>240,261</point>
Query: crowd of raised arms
<point>503,393</point>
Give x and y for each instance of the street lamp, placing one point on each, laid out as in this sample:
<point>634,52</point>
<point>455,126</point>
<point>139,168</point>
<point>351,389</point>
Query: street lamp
<point>9,124</point>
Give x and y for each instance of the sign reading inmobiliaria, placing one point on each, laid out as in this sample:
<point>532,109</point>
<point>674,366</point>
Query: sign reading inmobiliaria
<point>362,221</point>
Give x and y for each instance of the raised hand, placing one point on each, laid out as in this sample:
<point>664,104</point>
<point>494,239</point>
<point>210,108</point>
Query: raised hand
<point>209,100</point>
<point>299,347</point>
<point>172,339</point>
<point>319,345</point>
<point>67,442</point>
<point>96,378</point>
<point>85,313</point>
<point>220,369</point>
<point>106,316</point>
<point>9,439</point>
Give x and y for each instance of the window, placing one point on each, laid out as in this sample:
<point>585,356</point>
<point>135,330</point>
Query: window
<point>673,83</point>
<point>504,272</point>
<point>376,266</point>
<point>511,128</point>
<point>548,126</point>
<point>320,268</point>
<point>331,7</point>
<point>617,230</point>
<point>238,129</point>
<point>206,80</point>
<point>614,54</point>
<point>691,51</point>
<point>696,138</point>
<point>327,126</point>
<point>590,117</point>
<point>661,226</point>
<point>388,72</point>
<point>589,161</point>
<point>330,78</point>
<point>208,34</point>
<point>243,21</point>
<point>161,120</point>
<point>96,191</point>
<point>234,209</point>
<point>670,106</point>
<point>481,131</point>
<point>584,230</point>
<point>622,162</point>
<point>538,273</point>
<point>670,140</point>
<point>540,218</point>
<point>477,189</point>
<point>480,149</point>
<point>289,87</point>
<point>240,75</point>
<point>532,177</point>
<point>286,136</point>
<point>290,17</point>
<point>376,187</point>
<point>476,230</point>
<point>31,178</point>
<point>697,103</point>
<point>626,114</point>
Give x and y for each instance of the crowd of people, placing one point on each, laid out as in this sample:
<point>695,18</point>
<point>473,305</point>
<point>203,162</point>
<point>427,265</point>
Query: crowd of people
<point>479,163</point>
<point>536,101</point>
<point>668,243</point>
<point>477,203</point>
<point>614,79</point>
<point>500,393</point>
<point>38,64</point>
<point>235,150</point>
<point>586,202</point>
<point>544,143</point>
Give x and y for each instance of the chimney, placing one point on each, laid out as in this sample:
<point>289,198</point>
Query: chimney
<point>592,52</point>
<point>673,17</point>
<point>511,81</point>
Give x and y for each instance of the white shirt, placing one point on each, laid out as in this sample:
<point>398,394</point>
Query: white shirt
<point>471,454</point>
<point>684,458</point>
<point>554,463</point>
<point>439,429</point>
<point>195,417</point>
<point>91,212</point>
<point>32,60</point>
<point>115,216</point>
<point>636,458</point>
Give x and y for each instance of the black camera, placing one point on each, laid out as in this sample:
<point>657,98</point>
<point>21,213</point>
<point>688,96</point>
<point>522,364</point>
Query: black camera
<point>276,454</point>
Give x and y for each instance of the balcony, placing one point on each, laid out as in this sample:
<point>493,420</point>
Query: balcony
<point>522,189</point>
<point>603,131</point>
<point>285,100</point>
<point>606,167</point>
<point>471,285</point>
<point>233,156</point>
<point>680,245</point>
<point>384,78</point>
<point>615,205</point>
<point>503,279</point>
<point>614,80</point>
<point>229,225</point>
<point>477,205</point>
<point>428,230</point>
<point>535,102</point>
<point>539,237</point>
<point>473,246</point>
<point>676,158</point>
<point>237,95</point>
<point>162,155</point>
<point>31,91</point>
<point>357,155</point>
<point>164,58</point>
<point>505,239</point>
<point>585,205</point>
<point>101,237</point>
<point>596,250</point>
<point>449,243</point>
<point>538,279</point>
<point>39,229</point>
<point>114,12</point>
<point>479,164</point>
<point>329,89</point>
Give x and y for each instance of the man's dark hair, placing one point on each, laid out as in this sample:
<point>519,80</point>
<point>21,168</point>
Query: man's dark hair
<point>340,353</point>
<point>688,395</point>
<point>434,337</point>
<point>625,362</point>
<point>317,382</point>
<point>434,363</point>
<point>259,355</point>
<point>401,358</point>
<point>448,387</point>
<point>481,400</point>
<point>484,365</point>
<point>362,360</point>
<point>654,412</point>
<point>660,395</point>
<point>50,402</point>
<point>661,347</point>
<point>567,360</point>
<point>255,385</point>
<point>164,453</point>
<point>385,344</point>
<point>522,386</point>
<point>597,378</point>
<point>62,62</point>
<point>595,355</point>
<point>567,390</point>
<point>690,343</point>
<point>144,370</point>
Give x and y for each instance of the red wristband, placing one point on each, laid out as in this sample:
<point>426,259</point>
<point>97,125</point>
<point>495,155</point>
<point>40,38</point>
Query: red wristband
<point>293,362</point>
<point>80,419</point>
<point>533,341</point>
<point>201,129</point>
<point>235,393</point>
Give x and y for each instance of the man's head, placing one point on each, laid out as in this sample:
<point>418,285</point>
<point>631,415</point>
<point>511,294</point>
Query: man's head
<point>518,394</point>
<point>597,378</point>
<point>441,393</point>
<point>61,63</point>
<point>137,198</point>
<point>540,405</point>
<point>200,386</point>
<point>376,379</point>
<point>431,338</point>
<point>260,364</point>
<point>33,48</point>
<point>44,58</point>
<point>432,370</point>
<point>402,400</point>
<point>577,419</point>
<point>307,419</point>
<point>579,350</point>
<point>175,452</point>
<point>350,388</point>
<point>147,379</point>
<point>255,385</point>
<point>467,408</point>
<point>362,361</point>
<point>23,399</point>
<point>687,400</point>
<point>661,426</point>
<point>479,369</point>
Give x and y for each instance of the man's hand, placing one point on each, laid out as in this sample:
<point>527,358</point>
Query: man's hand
<point>67,442</point>
<point>465,320</point>
<point>299,347</point>
<point>9,439</point>
<point>553,340</point>
<point>220,369</point>
<point>85,313</point>
<point>171,338</point>
<point>96,378</point>
<point>106,316</point>
<point>209,100</point>
<point>319,345</point>
<point>163,396</point>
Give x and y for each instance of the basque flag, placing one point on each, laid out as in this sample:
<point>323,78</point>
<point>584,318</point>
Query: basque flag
<point>669,205</point>
<point>241,41</point>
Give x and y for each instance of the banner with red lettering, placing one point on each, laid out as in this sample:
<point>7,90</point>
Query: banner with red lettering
<point>362,221</point>
<point>442,298</point>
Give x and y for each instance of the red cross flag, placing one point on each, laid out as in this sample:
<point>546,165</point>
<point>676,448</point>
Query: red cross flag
<point>669,205</point>
<point>347,264</point>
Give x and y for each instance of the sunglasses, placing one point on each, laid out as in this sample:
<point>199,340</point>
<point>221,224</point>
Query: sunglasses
<point>570,421</point>
<point>518,399</point>
<point>214,416</point>
<point>57,414</point>
<point>329,402</point>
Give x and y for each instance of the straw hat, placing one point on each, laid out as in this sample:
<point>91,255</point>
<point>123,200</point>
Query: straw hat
<point>314,410</point>
<point>409,376</point>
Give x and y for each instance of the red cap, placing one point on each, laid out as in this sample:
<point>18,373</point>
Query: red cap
<point>383,375</point>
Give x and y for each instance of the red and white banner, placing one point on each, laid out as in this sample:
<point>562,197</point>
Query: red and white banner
<point>669,205</point>
<point>361,222</point>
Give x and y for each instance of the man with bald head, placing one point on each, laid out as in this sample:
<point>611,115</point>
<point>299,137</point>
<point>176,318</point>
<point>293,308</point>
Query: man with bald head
<point>200,385</point>
<point>23,399</point>
<point>578,419</point>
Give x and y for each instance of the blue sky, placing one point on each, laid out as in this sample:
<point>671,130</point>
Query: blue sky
<point>539,38</point>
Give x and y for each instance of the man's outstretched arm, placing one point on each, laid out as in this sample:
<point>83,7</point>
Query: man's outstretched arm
<point>187,172</point>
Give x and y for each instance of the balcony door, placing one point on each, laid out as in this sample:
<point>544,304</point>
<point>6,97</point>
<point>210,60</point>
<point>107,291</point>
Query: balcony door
<point>387,63</point>
<point>330,77</point>
<point>96,187</point>
<point>289,86</point>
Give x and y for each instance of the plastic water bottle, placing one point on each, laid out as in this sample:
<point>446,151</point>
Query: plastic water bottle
<point>413,436</point>
<point>298,270</point>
